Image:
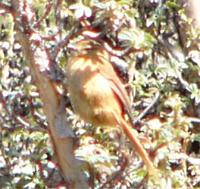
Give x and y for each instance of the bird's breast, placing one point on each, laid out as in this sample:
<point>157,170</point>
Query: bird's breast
<point>91,94</point>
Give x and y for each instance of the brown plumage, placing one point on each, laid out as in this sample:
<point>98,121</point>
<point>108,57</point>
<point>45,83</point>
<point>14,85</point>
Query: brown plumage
<point>97,94</point>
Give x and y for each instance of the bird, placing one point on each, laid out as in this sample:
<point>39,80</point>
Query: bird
<point>98,95</point>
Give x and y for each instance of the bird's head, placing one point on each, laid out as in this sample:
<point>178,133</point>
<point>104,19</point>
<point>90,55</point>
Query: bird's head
<point>82,45</point>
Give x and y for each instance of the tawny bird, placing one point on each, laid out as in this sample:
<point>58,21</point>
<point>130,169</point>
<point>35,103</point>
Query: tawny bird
<point>97,94</point>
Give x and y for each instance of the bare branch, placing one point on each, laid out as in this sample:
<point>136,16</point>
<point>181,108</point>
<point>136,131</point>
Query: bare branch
<point>46,13</point>
<point>39,62</point>
<point>58,16</point>
<point>63,43</point>
<point>146,110</point>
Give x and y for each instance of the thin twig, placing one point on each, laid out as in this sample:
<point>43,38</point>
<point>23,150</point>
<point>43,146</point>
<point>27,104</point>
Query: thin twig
<point>22,122</point>
<point>58,16</point>
<point>146,110</point>
<point>47,11</point>
<point>63,43</point>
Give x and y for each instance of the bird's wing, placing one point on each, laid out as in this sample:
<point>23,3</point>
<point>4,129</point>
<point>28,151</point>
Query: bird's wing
<point>108,72</point>
<point>121,93</point>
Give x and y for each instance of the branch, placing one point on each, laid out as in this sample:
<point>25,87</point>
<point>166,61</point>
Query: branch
<point>58,16</point>
<point>47,11</point>
<point>146,110</point>
<point>39,62</point>
<point>63,43</point>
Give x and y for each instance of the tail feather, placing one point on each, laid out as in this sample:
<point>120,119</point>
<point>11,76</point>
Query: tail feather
<point>133,137</point>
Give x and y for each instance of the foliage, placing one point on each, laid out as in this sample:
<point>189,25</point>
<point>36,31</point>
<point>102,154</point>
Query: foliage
<point>170,128</point>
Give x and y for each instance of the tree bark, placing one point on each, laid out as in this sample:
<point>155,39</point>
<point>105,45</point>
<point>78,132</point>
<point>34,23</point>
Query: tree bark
<point>38,61</point>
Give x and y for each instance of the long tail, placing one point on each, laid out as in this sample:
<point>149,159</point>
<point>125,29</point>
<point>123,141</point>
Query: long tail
<point>133,137</point>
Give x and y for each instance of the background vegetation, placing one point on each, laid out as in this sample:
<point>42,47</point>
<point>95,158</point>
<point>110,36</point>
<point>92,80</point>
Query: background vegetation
<point>163,67</point>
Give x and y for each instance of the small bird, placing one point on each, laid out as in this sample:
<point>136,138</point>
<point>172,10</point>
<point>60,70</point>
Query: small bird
<point>98,95</point>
